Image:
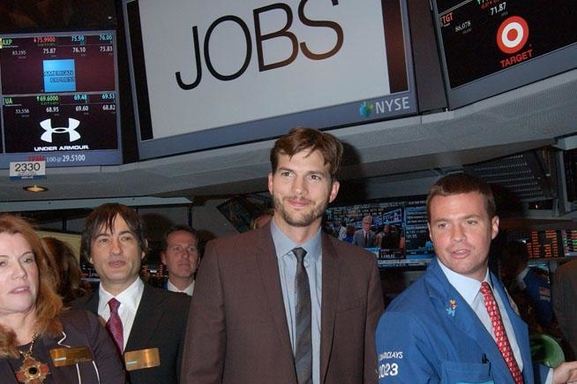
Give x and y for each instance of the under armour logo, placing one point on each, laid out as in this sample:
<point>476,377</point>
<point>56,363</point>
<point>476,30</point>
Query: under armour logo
<point>72,125</point>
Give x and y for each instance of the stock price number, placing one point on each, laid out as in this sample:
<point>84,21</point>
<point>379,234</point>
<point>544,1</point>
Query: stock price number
<point>48,99</point>
<point>49,51</point>
<point>44,39</point>
<point>82,108</point>
<point>105,48</point>
<point>109,107</point>
<point>108,96</point>
<point>73,158</point>
<point>55,109</point>
<point>78,49</point>
<point>498,8</point>
<point>81,97</point>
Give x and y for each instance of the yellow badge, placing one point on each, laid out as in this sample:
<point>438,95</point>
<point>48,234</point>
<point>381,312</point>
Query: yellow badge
<point>62,357</point>
<point>144,358</point>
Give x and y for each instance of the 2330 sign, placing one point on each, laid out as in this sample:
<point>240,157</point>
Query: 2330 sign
<point>27,169</point>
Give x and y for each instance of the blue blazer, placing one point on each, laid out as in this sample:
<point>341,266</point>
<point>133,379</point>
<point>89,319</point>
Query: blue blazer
<point>429,334</point>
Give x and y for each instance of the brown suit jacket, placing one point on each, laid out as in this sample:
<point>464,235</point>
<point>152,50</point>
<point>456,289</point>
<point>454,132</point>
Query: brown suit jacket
<point>237,328</point>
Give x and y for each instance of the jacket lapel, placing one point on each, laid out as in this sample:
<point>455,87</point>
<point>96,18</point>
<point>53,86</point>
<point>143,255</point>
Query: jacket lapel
<point>145,321</point>
<point>269,272</point>
<point>331,275</point>
<point>465,319</point>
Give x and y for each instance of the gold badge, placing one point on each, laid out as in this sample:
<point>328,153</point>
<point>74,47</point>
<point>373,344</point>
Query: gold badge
<point>62,357</point>
<point>144,358</point>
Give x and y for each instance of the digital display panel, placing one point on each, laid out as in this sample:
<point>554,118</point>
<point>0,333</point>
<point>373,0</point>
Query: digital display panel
<point>493,46</point>
<point>211,74</point>
<point>400,226</point>
<point>60,98</point>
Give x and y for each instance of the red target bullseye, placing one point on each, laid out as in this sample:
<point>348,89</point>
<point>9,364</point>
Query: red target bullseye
<point>512,34</point>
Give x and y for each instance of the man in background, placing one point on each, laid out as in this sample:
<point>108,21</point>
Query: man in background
<point>365,237</point>
<point>181,257</point>
<point>565,301</point>
<point>287,303</point>
<point>147,323</point>
<point>529,287</point>
<point>455,324</point>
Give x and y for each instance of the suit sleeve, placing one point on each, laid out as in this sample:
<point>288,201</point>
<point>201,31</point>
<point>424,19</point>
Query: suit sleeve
<point>205,343</point>
<point>402,356</point>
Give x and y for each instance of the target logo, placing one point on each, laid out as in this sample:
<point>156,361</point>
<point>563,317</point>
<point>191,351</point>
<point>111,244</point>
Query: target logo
<point>512,34</point>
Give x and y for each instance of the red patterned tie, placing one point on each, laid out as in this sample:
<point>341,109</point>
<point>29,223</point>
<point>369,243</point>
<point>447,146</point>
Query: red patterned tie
<point>500,334</point>
<point>114,324</point>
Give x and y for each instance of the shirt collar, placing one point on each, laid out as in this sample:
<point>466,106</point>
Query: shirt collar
<point>130,297</point>
<point>188,290</point>
<point>283,244</point>
<point>466,286</point>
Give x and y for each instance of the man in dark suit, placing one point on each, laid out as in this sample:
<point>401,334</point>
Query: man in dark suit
<point>246,306</point>
<point>152,320</point>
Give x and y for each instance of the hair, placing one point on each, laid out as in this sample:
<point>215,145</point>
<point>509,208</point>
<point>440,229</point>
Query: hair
<point>176,228</point>
<point>104,215</point>
<point>458,183</point>
<point>70,283</point>
<point>307,139</point>
<point>48,303</point>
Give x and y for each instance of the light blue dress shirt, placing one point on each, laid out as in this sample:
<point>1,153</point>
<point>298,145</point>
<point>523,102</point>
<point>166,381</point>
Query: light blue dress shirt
<point>287,265</point>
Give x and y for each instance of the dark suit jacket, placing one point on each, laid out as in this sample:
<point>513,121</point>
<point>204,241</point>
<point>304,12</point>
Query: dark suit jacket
<point>237,329</point>
<point>80,329</point>
<point>160,322</point>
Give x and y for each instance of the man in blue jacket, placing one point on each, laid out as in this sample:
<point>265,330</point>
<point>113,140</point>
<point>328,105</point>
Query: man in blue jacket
<point>438,330</point>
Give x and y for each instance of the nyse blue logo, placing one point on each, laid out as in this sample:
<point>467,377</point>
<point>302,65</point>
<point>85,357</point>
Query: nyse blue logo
<point>59,75</point>
<point>366,109</point>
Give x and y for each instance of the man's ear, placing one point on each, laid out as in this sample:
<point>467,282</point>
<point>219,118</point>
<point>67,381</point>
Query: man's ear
<point>144,249</point>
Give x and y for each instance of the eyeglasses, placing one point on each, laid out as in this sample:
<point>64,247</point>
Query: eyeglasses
<point>179,249</point>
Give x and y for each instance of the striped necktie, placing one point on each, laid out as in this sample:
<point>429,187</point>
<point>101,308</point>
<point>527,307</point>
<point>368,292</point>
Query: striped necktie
<point>303,343</point>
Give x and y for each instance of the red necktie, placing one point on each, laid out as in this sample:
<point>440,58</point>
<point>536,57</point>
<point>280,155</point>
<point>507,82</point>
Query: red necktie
<point>114,324</point>
<point>500,334</point>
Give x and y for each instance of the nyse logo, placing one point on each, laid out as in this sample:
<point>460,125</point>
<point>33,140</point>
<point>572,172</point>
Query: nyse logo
<point>283,35</point>
<point>50,130</point>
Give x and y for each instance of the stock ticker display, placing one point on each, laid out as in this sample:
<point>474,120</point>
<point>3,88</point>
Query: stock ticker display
<point>60,98</point>
<point>482,37</point>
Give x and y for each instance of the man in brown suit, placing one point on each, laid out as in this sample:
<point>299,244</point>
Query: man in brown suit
<point>242,326</point>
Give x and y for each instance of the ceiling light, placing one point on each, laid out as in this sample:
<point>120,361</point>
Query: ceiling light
<point>35,188</point>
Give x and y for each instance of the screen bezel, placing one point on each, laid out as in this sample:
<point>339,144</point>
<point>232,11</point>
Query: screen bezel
<point>94,157</point>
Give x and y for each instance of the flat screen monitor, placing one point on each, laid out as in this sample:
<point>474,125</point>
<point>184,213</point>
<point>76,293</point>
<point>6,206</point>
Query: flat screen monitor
<point>400,224</point>
<point>210,74</point>
<point>59,93</point>
<point>493,46</point>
